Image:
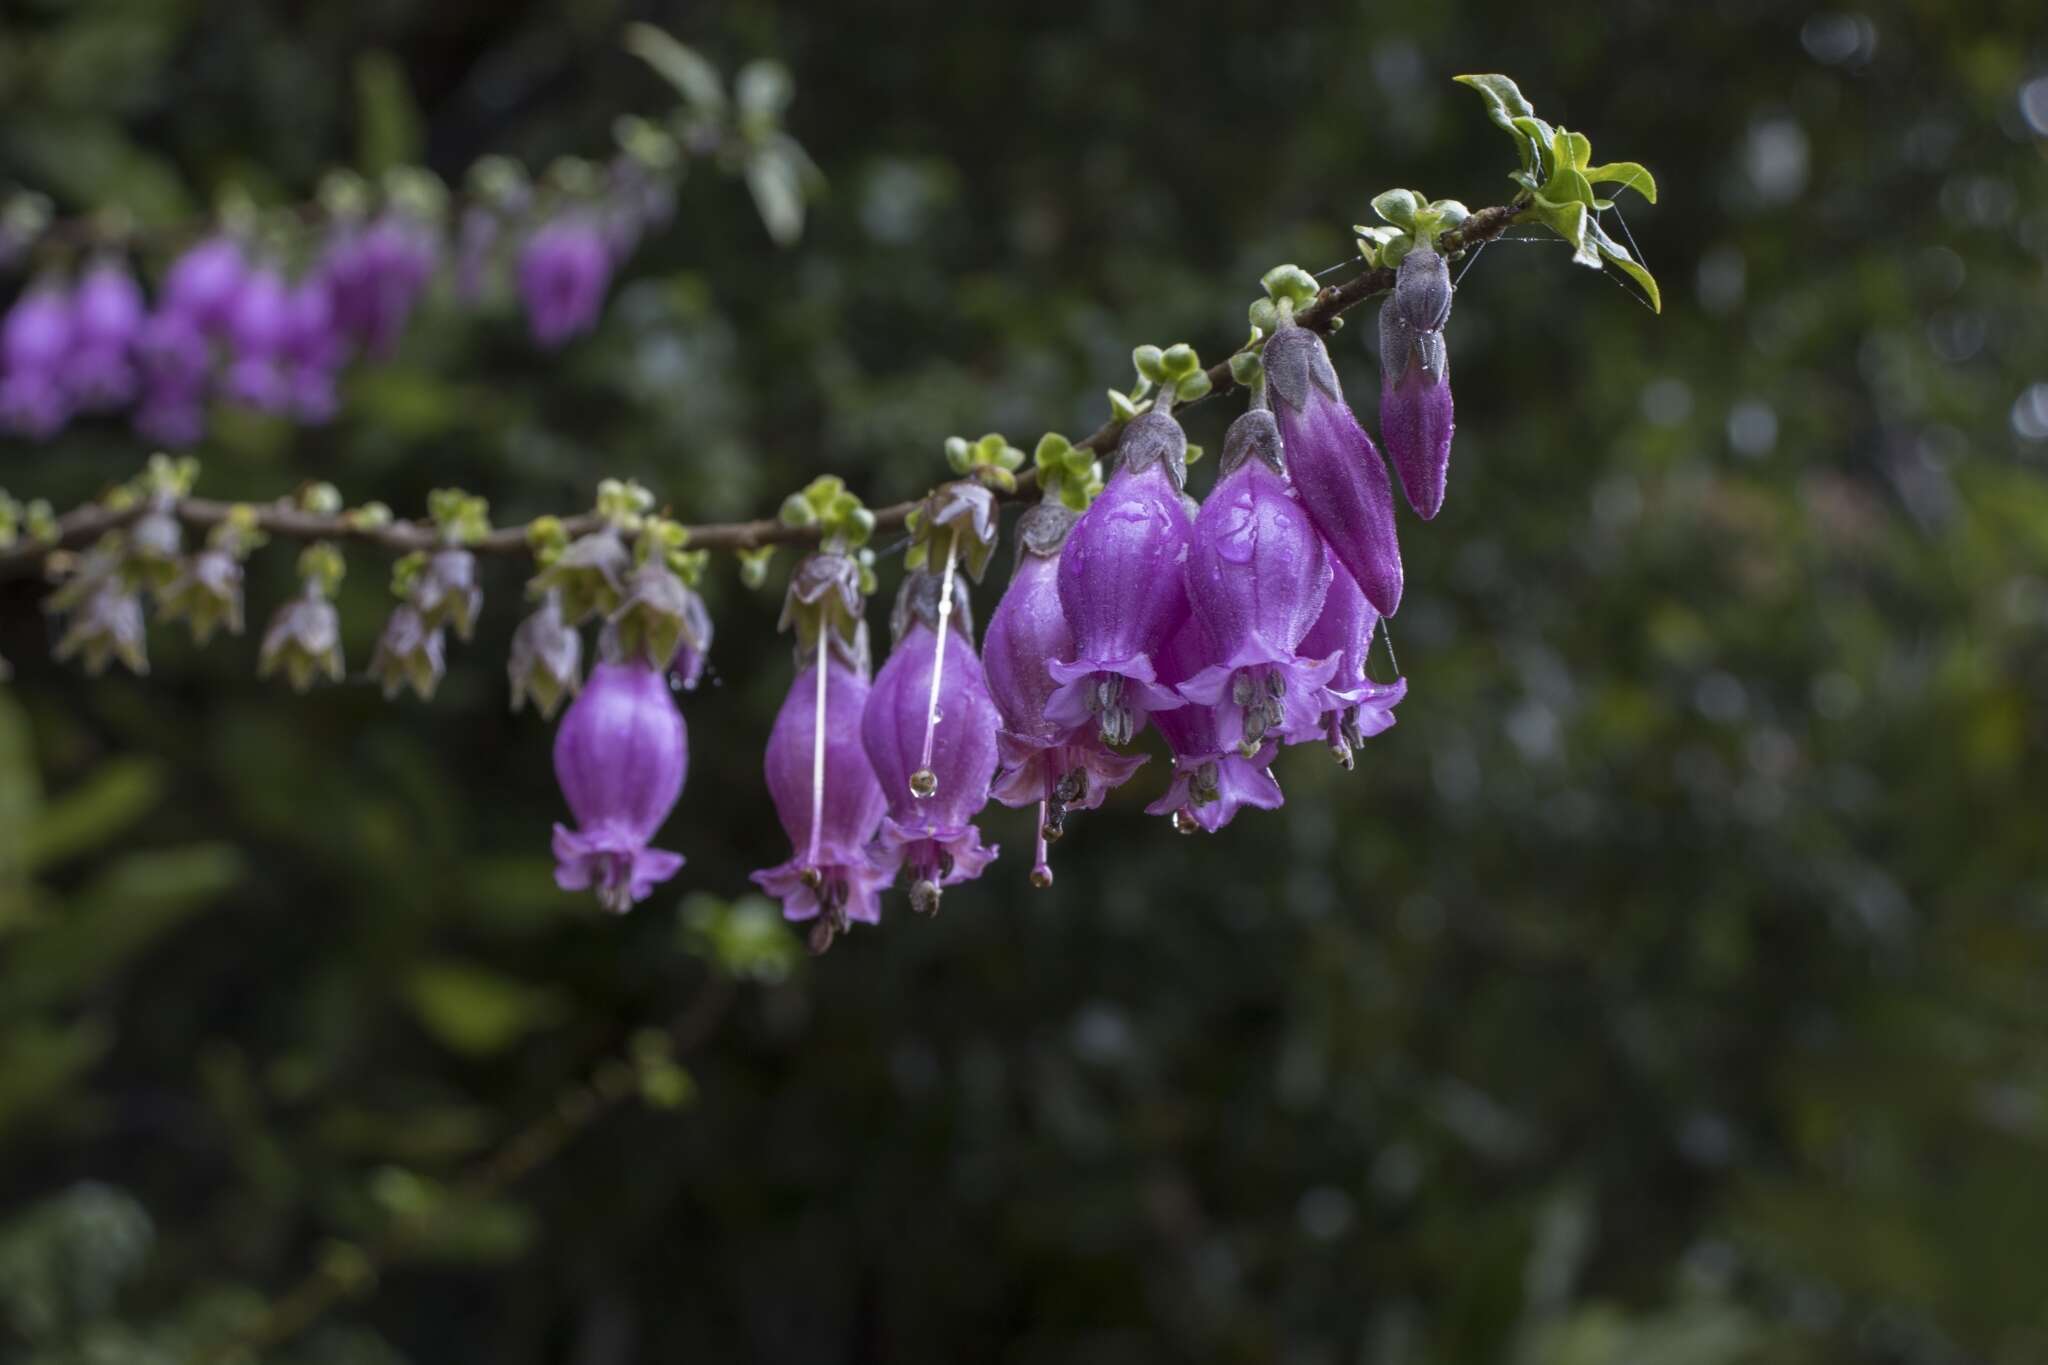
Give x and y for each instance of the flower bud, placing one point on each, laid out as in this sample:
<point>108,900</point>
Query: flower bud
<point>446,591</point>
<point>545,659</point>
<point>106,626</point>
<point>304,639</point>
<point>206,592</point>
<point>1416,417</point>
<point>1338,473</point>
<point>409,654</point>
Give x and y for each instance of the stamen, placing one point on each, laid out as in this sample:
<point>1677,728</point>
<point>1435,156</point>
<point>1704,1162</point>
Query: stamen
<point>1041,874</point>
<point>821,935</point>
<point>924,782</point>
<point>817,760</point>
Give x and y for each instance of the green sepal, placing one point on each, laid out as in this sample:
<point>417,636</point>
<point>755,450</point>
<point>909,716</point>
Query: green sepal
<point>754,565</point>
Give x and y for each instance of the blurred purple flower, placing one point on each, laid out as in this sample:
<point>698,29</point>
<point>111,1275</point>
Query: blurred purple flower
<point>107,316</point>
<point>621,754</point>
<point>375,274</point>
<point>564,269</point>
<point>175,363</point>
<point>35,342</point>
<point>258,326</point>
<point>203,283</point>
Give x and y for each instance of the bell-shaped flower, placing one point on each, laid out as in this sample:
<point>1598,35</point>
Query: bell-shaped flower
<point>1256,577</point>
<point>304,639</point>
<point>1058,768</point>
<point>1335,468</point>
<point>1120,586</point>
<point>657,614</point>
<point>258,325</point>
<point>446,591</point>
<point>107,315</point>
<point>546,658</point>
<point>206,592</point>
<point>621,754</point>
<point>1212,779</point>
<point>410,653</point>
<point>1416,418</point>
<point>176,364</point>
<point>588,575</point>
<point>106,626</point>
<point>376,273</point>
<point>1354,707</point>
<point>35,343</point>
<point>564,269</point>
<point>932,800</point>
<point>826,795</point>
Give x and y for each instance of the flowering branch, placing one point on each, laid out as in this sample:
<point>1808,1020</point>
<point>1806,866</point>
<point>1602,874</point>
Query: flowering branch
<point>85,525</point>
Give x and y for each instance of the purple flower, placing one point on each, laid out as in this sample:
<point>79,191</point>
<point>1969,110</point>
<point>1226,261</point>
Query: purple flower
<point>1341,479</point>
<point>1355,708</point>
<point>175,360</point>
<point>1256,577</point>
<point>107,316</point>
<point>828,799</point>
<point>564,269</point>
<point>202,284</point>
<point>258,326</point>
<point>1212,779</point>
<point>313,351</point>
<point>933,834</point>
<point>1120,586</point>
<point>376,273</point>
<point>475,251</point>
<point>621,753</point>
<point>1043,762</point>
<point>1416,420</point>
<point>35,341</point>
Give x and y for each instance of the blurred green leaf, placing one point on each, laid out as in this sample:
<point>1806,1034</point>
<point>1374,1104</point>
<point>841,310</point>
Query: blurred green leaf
<point>114,796</point>
<point>475,1010</point>
<point>389,128</point>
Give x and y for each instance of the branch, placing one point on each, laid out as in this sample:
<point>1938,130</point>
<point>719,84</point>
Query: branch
<point>84,525</point>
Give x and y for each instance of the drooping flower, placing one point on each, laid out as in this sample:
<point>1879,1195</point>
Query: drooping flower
<point>1120,586</point>
<point>546,657</point>
<point>207,592</point>
<point>376,273</point>
<point>35,342</point>
<point>304,639</point>
<point>1416,418</point>
<point>564,269</point>
<point>621,754</point>
<point>176,360</point>
<point>1256,577</point>
<point>1058,768</point>
<point>107,315</point>
<point>826,795</point>
<point>933,835</point>
<point>588,575</point>
<point>314,351</point>
<point>446,590</point>
<point>258,326</point>
<point>202,284</point>
<point>410,653</point>
<point>1212,780</point>
<point>1335,467</point>
<point>107,626</point>
<point>1354,707</point>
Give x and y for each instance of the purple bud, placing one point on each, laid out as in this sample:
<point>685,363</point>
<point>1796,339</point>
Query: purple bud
<point>1212,779</point>
<point>830,874</point>
<point>201,284</point>
<point>1120,586</point>
<point>546,658</point>
<point>1338,473</point>
<point>1256,578</point>
<point>1355,708</point>
<point>621,754</point>
<point>1043,763</point>
<point>34,343</point>
<point>108,312</point>
<point>564,269</point>
<point>1416,418</point>
<point>933,834</point>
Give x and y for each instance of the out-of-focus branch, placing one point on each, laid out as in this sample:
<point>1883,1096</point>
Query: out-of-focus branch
<point>84,525</point>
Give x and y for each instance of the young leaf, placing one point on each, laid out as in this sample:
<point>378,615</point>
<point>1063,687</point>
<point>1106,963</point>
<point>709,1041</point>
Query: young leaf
<point>695,79</point>
<point>1626,174</point>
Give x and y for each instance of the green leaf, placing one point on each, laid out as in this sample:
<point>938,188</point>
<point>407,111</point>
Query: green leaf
<point>763,90</point>
<point>1195,386</point>
<point>388,123</point>
<point>695,79</point>
<point>1580,149</point>
<point>1618,255</point>
<point>776,182</point>
<point>1626,174</point>
<point>1397,207</point>
<point>475,1010</point>
<point>1503,98</point>
<point>1148,360</point>
<point>115,796</point>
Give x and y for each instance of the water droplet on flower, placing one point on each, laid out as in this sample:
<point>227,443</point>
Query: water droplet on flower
<point>924,782</point>
<point>924,897</point>
<point>1183,824</point>
<point>1041,876</point>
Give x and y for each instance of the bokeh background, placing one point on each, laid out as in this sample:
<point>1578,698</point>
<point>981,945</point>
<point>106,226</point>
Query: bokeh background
<point>1670,985</point>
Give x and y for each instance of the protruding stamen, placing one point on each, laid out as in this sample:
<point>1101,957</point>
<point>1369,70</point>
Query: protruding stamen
<point>1041,874</point>
<point>924,782</point>
<point>1276,683</point>
<point>1339,750</point>
<point>1073,787</point>
<point>818,753</point>
<point>924,896</point>
<point>821,935</point>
